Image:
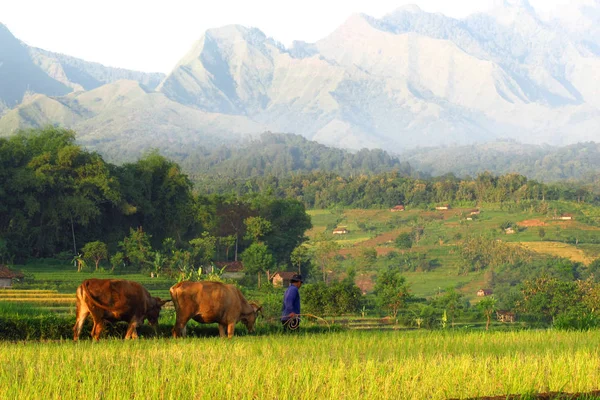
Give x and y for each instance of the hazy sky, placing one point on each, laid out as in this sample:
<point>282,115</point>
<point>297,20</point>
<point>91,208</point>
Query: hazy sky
<point>153,35</point>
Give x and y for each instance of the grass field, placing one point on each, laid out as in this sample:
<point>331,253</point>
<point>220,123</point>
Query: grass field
<point>346,365</point>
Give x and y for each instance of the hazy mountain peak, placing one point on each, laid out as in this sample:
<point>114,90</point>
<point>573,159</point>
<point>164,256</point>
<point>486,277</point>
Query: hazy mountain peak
<point>354,23</point>
<point>408,8</point>
<point>517,3</point>
<point>510,11</point>
<point>408,79</point>
<point>235,30</point>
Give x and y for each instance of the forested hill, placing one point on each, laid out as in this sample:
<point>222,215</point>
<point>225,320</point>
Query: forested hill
<point>579,161</point>
<point>279,155</point>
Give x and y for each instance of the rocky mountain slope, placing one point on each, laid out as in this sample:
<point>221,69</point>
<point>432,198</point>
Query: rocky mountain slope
<point>408,79</point>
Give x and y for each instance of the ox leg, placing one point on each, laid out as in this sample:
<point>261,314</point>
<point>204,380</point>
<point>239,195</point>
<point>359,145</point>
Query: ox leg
<point>132,330</point>
<point>222,328</point>
<point>98,328</point>
<point>180,324</point>
<point>82,313</point>
<point>230,330</point>
<point>98,323</point>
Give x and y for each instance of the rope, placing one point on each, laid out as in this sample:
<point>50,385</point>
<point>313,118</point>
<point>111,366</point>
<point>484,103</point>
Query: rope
<point>294,322</point>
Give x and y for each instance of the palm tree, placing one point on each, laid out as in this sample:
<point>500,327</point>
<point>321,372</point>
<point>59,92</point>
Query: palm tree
<point>79,262</point>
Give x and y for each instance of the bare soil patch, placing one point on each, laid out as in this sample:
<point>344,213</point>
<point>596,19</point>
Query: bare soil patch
<point>531,222</point>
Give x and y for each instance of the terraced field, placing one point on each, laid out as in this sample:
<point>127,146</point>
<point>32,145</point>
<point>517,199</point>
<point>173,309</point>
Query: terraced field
<point>563,250</point>
<point>443,233</point>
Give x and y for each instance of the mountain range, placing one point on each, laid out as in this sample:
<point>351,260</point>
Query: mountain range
<point>406,80</point>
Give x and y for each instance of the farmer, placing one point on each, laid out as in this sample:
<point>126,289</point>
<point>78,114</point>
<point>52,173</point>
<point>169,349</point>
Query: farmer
<point>290,312</point>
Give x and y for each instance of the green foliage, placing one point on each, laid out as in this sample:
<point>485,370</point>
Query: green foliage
<point>391,291</point>
<point>256,228</point>
<point>541,233</point>
<point>300,256</point>
<point>161,197</point>
<point>203,248</point>
<point>570,304</point>
<point>50,189</point>
<point>137,249</point>
<point>95,251</point>
<point>280,155</point>
<point>257,259</point>
<point>487,306</point>
<point>117,261</point>
<point>335,299</point>
<point>403,241</point>
<point>324,253</point>
<point>481,252</point>
<point>289,222</point>
<point>42,327</point>
<point>452,302</point>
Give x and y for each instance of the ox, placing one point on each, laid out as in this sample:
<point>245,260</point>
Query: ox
<point>208,302</point>
<point>115,300</point>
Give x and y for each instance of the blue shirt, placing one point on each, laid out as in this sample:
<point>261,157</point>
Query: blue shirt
<point>291,302</point>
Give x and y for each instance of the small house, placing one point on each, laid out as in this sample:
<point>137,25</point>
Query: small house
<point>397,208</point>
<point>505,316</point>
<point>509,231</point>
<point>566,217</point>
<point>484,292</point>
<point>7,276</point>
<point>230,269</point>
<point>443,207</point>
<point>282,279</point>
<point>340,231</point>
<point>475,212</point>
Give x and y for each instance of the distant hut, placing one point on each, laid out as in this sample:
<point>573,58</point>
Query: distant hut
<point>443,207</point>
<point>484,292</point>
<point>397,208</point>
<point>7,276</point>
<point>282,279</point>
<point>340,231</point>
<point>566,217</point>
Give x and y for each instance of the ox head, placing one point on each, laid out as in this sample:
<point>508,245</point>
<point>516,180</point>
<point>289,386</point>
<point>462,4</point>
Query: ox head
<point>154,310</point>
<point>250,318</point>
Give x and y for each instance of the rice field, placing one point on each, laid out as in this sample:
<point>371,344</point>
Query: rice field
<point>563,250</point>
<point>342,365</point>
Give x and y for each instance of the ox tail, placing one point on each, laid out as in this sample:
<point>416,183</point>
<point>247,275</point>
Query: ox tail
<point>92,299</point>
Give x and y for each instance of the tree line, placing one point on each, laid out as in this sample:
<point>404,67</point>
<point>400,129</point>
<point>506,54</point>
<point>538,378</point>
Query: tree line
<point>326,189</point>
<point>56,197</point>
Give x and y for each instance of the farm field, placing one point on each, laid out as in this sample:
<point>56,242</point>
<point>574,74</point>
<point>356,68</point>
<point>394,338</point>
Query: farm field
<point>443,233</point>
<point>342,365</point>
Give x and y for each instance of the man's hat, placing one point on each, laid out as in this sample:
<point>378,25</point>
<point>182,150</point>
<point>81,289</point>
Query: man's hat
<point>296,278</point>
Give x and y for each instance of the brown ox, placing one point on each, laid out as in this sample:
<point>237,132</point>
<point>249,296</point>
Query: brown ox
<point>208,302</point>
<point>115,300</point>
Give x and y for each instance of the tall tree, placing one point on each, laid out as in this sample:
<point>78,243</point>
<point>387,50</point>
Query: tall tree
<point>487,305</point>
<point>161,196</point>
<point>258,259</point>
<point>96,251</point>
<point>289,222</point>
<point>391,291</point>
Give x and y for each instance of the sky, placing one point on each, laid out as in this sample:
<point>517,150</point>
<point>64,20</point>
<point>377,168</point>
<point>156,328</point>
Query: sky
<point>151,35</point>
